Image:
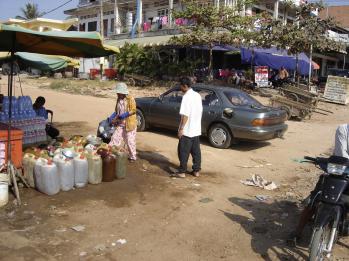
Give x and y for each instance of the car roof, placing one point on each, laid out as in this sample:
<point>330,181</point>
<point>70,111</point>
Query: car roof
<point>216,87</point>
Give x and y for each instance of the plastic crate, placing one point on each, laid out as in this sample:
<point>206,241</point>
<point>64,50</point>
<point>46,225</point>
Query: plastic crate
<point>16,144</point>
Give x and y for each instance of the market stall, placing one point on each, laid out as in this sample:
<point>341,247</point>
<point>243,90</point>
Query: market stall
<point>15,39</point>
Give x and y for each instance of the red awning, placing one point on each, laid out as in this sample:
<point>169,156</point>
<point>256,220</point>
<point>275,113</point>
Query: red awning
<point>315,66</point>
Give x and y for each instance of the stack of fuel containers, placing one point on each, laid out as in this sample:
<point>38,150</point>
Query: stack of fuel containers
<point>74,163</point>
<point>24,118</point>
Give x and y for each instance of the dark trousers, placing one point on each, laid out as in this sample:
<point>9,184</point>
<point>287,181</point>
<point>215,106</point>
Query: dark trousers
<point>187,146</point>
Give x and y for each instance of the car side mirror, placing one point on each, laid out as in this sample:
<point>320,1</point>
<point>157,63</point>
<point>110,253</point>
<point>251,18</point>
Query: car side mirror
<point>160,97</point>
<point>228,112</point>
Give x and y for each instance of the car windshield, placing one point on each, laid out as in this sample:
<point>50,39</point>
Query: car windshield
<point>239,98</point>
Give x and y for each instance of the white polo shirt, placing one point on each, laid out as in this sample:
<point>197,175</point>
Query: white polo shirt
<point>191,107</point>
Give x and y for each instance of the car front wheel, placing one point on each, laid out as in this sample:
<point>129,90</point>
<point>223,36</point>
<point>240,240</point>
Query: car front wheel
<point>140,120</point>
<point>219,136</point>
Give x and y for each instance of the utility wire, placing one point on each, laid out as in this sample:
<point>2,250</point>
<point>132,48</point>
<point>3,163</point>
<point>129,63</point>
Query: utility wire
<point>54,9</point>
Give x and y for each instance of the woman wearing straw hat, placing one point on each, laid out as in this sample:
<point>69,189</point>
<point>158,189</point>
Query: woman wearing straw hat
<point>125,121</point>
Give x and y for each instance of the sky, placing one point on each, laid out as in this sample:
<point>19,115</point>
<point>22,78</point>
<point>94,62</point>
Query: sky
<point>11,8</point>
<point>331,2</point>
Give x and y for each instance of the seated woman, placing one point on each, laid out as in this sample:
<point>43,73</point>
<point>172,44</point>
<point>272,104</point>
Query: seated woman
<point>41,111</point>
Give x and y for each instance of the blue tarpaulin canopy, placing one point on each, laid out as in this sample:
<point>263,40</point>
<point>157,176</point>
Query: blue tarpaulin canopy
<point>271,57</point>
<point>274,58</point>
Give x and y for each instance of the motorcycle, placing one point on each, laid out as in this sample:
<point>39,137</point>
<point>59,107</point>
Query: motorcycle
<point>332,205</point>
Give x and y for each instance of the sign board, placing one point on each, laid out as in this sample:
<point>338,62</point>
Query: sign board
<point>337,89</point>
<point>261,76</point>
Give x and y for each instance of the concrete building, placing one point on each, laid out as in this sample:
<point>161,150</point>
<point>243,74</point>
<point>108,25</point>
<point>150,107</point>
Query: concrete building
<point>150,22</point>
<point>121,16</point>
<point>340,13</point>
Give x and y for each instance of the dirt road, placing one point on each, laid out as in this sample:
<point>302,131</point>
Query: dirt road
<point>213,217</point>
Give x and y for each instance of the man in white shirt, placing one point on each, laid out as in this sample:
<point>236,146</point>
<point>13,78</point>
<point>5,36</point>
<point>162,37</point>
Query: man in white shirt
<point>189,130</point>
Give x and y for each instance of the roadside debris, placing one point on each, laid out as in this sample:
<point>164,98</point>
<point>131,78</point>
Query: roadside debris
<point>61,230</point>
<point>299,160</point>
<point>262,197</point>
<point>121,241</point>
<point>259,181</point>
<point>100,247</point>
<point>78,228</point>
<point>83,253</point>
<point>206,200</point>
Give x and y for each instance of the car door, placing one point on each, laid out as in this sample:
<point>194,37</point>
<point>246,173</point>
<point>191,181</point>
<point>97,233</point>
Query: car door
<point>164,112</point>
<point>211,107</point>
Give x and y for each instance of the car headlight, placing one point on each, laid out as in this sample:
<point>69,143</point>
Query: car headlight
<point>335,169</point>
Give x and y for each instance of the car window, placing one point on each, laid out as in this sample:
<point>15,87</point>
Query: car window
<point>209,98</point>
<point>174,96</point>
<point>239,98</point>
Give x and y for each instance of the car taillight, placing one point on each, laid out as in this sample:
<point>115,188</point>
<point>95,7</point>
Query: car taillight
<point>267,121</point>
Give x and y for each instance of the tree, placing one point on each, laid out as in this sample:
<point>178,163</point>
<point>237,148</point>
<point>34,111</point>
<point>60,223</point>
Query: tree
<point>30,11</point>
<point>308,32</point>
<point>213,26</point>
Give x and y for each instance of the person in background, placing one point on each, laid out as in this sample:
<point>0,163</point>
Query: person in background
<point>283,74</point>
<point>189,130</point>
<point>41,111</point>
<point>125,121</point>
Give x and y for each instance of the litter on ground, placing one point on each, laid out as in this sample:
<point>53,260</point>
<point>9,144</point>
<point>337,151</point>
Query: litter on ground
<point>259,181</point>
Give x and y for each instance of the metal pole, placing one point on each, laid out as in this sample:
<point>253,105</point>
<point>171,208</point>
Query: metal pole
<point>10,87</point>
<point>170,18</point>
<point>310,63</point>
<point>117,18</point>
<point>276,10</point>
<point>101,24</point>
<point>344,56</point>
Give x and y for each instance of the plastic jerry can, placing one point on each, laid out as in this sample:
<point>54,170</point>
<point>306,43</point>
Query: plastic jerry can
<point>65,169</point>
<point>38,174</point>
<point>94,168</point>
<point>121,165</point>
<point>3,189</point>
<point>50,183</point>
<point>80,171</point>
<point>28,168</point>
<point>109,167</point>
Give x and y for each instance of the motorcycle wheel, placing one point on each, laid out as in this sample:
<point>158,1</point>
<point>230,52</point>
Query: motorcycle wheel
<point>320,241</point>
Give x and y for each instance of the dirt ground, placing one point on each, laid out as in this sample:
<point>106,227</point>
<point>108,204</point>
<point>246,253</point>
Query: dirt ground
<point>213,217</point>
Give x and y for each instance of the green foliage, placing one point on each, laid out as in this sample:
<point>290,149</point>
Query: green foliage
<point>134,59</point>
<point>152,61</point>
<point>308,30</point>
<point>213,25</point>
<point>30,11</point>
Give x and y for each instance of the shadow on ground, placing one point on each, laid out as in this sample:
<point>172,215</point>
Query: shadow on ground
<point>242,145</point>
<point>157,159</point>
<point>269,226</point>
<point>67,129</point>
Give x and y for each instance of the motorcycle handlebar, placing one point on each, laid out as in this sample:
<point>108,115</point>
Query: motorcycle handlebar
<point>317,160</point>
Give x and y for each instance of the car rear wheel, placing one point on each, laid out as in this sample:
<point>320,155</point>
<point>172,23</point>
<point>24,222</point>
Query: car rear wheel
<point>140,120</point>
<point>219,136</point>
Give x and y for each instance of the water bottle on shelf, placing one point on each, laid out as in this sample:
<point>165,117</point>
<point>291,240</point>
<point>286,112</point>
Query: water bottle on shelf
<point>5,104</point>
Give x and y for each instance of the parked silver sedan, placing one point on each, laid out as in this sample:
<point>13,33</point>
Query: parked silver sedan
<point>227,114</point>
